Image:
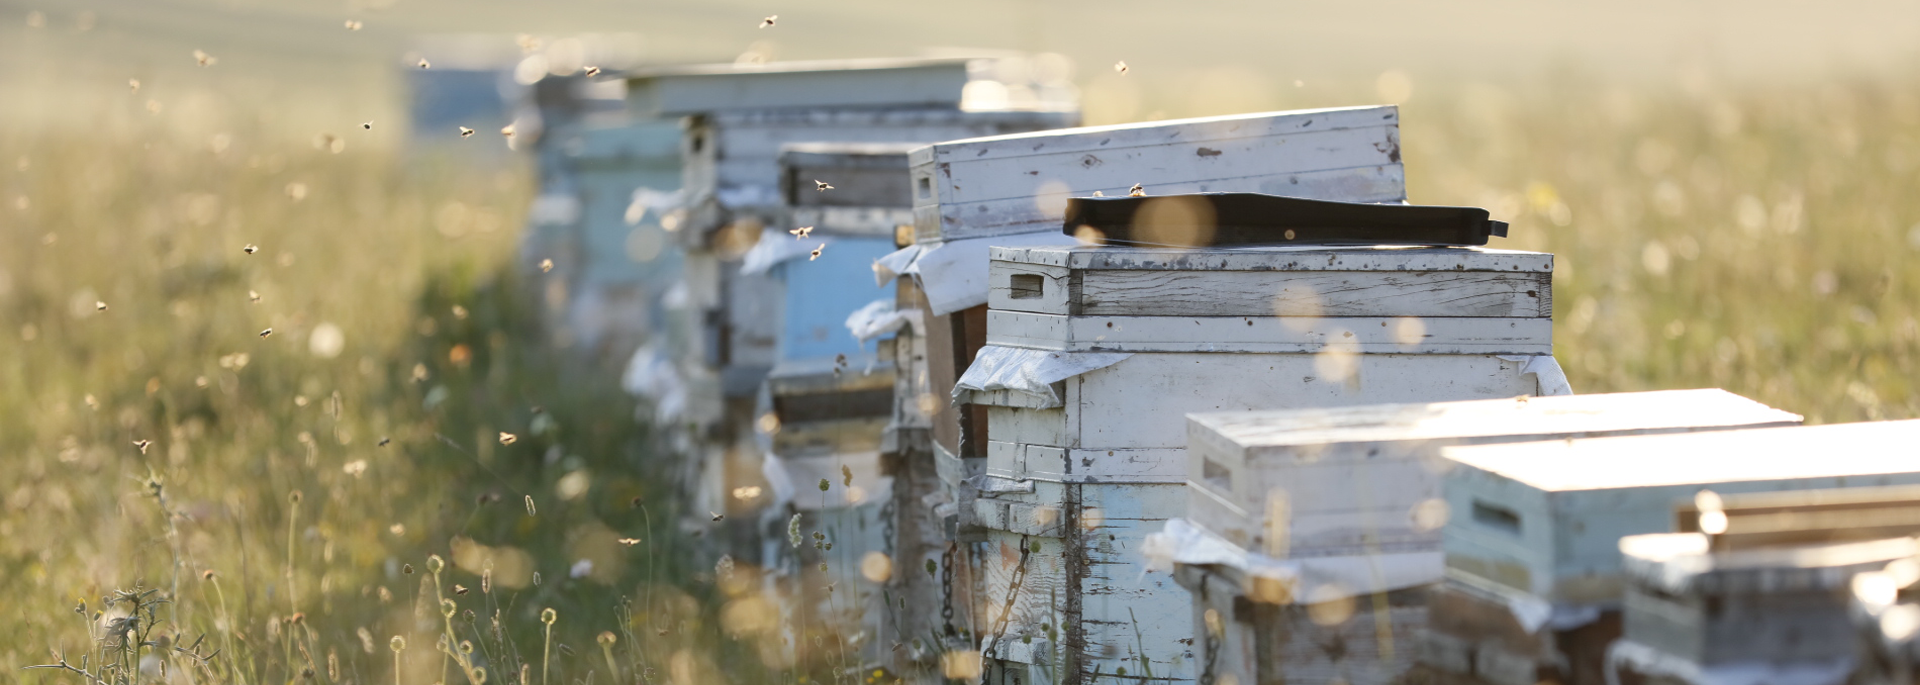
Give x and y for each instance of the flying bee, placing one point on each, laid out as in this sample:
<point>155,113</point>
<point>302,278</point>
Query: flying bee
<point>459,589</point>
<point>204,59</point>
<point>767,23</point>
<point>507,130</point>
<point>629,541</point>
<point>143,445</point>
<point>353,25</point>
<point>368,125</point>
<point>250,248</point>
<point>593,71</point>
<point>133,85</point>
<point>466,132</point>
<point>385,440</point>
<point>716,517</point>
<point>253,296</point>
<point>1137,191</point>
<point>822,186</point>
<point>816,252</point>
<point>424,64</point>
<point>801,232</point>
<point>508,438</point>
<point>546,265</point>
<point>267,332</point>
<point>1121,67</point>
<point>100,306</point>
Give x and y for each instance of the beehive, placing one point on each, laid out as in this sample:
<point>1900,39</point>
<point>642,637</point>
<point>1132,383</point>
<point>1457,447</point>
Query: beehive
<point>1094,355</point>
<point>1351,480</point>
<point>1692,613</point>
<point>729,325</point>
<point>1534,569</point>
<point>1358,488</point>
<point>1342,155</point>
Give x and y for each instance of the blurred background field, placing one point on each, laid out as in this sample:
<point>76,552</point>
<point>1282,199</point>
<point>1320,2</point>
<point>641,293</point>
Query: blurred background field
<point>1729,188</point>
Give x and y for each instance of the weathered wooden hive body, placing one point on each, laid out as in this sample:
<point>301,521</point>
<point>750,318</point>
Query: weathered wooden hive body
<point>1699,616</point>
<point>965,190</point>
<point>1095,355</point>
<point>735,120</point>
<point>831,394</point>
<point>1303,494</point>
<point>1534,573</point>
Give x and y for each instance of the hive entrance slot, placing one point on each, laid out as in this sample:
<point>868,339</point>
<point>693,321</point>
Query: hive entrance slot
<point>1496,517</point>
<point>1026,286</point>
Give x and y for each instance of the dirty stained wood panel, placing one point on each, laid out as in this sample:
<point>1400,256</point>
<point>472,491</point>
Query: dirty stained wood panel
<point>1278,258</point>
<point>1142,402</point>
<point>1368,293</point>
<point>1546,517</point>
<point>1364,335</point>
<point>966,182</point>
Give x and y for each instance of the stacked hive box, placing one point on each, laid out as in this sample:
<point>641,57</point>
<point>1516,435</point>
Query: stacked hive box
<point>1095,355</point>
<point>1699,616</point>
<point>735,119</point>
<point>829,399</point>
<point>594,222</point>
<point>970,195</point>
<point>1342,505</point>
<point>1534,579</point>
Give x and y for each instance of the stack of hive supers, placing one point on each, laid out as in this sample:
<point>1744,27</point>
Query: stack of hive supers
<point>829,400</point>
<point>1535,583</point>
<point>1306,528</point>
<point>735,120</point>
<point>972,195</point>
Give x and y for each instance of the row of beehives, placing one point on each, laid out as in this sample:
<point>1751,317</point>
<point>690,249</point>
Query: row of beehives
<point>1000,530</point>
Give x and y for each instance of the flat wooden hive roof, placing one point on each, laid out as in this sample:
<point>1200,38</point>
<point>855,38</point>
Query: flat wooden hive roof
<point>1761,454</point>
<point>1564,415</point>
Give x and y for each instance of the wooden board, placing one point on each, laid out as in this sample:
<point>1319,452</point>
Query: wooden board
<point>1545,517</point>
<point>1018,183</point>
<point>694,89</point>
<point>1314,258</point>
<point>1046,289</point>
<point>1272,334</point>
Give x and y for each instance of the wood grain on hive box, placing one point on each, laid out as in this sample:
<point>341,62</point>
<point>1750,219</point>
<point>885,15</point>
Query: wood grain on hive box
<point>1545,517</point>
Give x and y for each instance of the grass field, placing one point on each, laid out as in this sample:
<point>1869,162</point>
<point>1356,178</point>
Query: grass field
<point>292,487</point>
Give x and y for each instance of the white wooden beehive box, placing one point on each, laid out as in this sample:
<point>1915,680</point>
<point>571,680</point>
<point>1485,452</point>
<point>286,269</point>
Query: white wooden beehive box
<point>1352,480</point>
<point>1020,183</point>
<point>1095,355</point>
<point>1750,607</point>
<point>1545,518</point>
<point>732,171</point>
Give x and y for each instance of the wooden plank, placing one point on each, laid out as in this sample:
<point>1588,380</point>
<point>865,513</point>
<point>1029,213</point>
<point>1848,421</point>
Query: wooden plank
<point>1280,258</point>
<point>1315,294</point>
<point>1273,335</point>
<point>1045,209</point>
<point>680,90</point>
<point>1142,401</point>
<point>1777,518</point>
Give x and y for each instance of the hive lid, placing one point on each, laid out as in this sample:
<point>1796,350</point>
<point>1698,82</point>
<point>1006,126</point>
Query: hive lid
<point>1230,219</point>
<point>1760,454</point>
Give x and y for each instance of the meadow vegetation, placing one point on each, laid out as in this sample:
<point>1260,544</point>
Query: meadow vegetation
<point>409,459</point>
